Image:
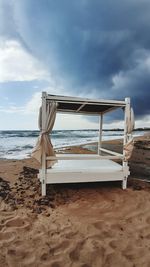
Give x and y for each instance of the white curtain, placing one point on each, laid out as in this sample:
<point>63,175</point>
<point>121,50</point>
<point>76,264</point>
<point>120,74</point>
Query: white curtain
<point>44,142</point>
<point>128,148</point>
<point>130,127</point>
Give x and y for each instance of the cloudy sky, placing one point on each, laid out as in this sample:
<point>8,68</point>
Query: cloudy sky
<point>90,48</point>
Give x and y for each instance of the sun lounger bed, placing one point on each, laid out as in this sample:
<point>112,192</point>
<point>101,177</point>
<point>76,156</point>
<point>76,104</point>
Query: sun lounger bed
<point>75,168</point>
<point>77,171</point>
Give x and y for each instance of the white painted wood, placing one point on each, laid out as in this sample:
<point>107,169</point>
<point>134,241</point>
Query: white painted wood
<point>126,173</point>
<point>43,153</point>
<point>79,112</point>
<point>84,169</point>
<point>77,177</point>
<point>126,109</point>
<point>110,109</point>
<point>112,152</point>
<point>75,156</point>
<point>89,166</point>
<point>81,100</point>
<point>81,107</point>
<point>124,183</point>
<point>100,133</point>
<point>77,171</point>
<point>82,157</point>
<point>125,163</point>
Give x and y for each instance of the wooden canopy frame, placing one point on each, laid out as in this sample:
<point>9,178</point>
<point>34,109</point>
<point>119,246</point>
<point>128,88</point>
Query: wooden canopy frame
<point>61,173</point>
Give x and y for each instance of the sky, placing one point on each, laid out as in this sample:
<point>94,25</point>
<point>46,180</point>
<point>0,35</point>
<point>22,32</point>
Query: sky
<point>86,48</point>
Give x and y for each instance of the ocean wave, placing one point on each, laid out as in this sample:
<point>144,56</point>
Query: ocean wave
<point>12,134</point>
<point>19,144</point>
<point>56,134</point>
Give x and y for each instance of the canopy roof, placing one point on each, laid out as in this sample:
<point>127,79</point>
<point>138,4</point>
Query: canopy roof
<point>87,106</point>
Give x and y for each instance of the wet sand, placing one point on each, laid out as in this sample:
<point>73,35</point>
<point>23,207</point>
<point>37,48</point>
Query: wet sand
<point>80,225</point>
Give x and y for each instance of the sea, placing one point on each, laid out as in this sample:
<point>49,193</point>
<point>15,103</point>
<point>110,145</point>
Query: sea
<point>19,144</point>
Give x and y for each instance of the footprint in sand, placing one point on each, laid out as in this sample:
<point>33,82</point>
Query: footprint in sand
<point>75,253</point>
<point>131,254</point>
<point>114,244</point>
<point>6,218</point>
<point>148,220</point>
<point>55,264</point>
<point>99,225</point>
<point>147,236</point>
<point>21,255</point>
<point>6,237</point>
<point>90,251</point>
<point>45,260</point>
<point>104,230</point>
<point>17,222</point>
<point>85,265</point>
<point>63,246</point>
<point>118,227</point>
<point>71,234</point>
<point>116,259</point>
<point>29,260</point>
<point>118,244</point>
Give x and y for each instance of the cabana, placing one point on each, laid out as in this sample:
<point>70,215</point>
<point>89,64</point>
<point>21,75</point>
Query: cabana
<point>75,168</point>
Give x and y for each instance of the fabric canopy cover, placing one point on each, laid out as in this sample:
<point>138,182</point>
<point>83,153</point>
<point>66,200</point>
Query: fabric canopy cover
<point>44,143</point>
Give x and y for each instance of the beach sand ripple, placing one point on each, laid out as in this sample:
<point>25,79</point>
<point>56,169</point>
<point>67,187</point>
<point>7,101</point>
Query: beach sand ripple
<point>82,225</point>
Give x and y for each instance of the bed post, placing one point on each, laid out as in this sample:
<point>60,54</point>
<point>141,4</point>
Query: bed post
<point>43,152</point>
<point>125,163</point>
<point>100,133</point>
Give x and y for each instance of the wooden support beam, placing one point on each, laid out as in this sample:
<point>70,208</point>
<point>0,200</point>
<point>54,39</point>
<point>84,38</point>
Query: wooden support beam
<point>81,100</point>
<point>82,157</point>
<point>100,133</point>
<point>111,152</point>
<point>81,107</point>
<point>126,109</point>
<point>43,152</point>
<point>125,163</point>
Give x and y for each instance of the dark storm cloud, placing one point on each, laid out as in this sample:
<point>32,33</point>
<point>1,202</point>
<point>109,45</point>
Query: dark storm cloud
<point>7,24</point>
<point>98,46</point>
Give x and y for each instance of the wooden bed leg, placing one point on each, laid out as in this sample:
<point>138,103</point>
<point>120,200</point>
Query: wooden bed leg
<point>43,188</point>
<point>124,183</point>
<point>125,163</point>
<point>126,173</point>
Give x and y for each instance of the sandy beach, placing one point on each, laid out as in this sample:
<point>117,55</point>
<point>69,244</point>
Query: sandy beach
<point>82,225</point>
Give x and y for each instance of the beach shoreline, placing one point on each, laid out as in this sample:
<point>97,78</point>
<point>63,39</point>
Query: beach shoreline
<point>75,225</point>
<point>19,144</point>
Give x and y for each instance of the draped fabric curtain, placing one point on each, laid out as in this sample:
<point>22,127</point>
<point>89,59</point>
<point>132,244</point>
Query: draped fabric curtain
<point>44,141</point>
<point>128,147</point>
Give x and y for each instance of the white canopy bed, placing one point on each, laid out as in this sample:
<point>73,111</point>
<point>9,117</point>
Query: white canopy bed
<point>74,168</point>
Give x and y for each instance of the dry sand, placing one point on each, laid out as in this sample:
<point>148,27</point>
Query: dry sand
<point>81,225</point>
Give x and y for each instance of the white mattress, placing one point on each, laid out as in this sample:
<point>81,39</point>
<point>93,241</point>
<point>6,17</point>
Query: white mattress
<point>96,165</point>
